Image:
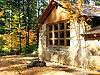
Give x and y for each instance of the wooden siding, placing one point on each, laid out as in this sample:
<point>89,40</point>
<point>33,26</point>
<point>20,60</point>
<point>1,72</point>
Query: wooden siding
<point>58,14</point>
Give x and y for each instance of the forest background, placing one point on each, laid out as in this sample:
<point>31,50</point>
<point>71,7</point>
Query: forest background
<point>19,29</point>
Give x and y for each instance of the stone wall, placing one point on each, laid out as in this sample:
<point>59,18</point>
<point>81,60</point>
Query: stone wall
<point>42,42</point>
<point>76,53</point>
<point>53,54</point>
<point>60,56</point>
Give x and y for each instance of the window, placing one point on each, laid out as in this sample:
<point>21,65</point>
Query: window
<point>59,34</point>
<point>61,26</point>
<point>50,42</point>
<point>67,42</point>
<point>50,27</point>
<point>62,42</point>
<point>56,34</point>
<point>68,34</point>
<point>50,35</point>
<point>56,42</point>
<point>55,27</point>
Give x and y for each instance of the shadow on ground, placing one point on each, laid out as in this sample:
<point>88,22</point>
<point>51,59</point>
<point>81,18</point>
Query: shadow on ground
<point>16,65</point>
<point>66,69</point>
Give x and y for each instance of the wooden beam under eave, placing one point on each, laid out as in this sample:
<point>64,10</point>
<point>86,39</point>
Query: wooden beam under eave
<point>91,36</point>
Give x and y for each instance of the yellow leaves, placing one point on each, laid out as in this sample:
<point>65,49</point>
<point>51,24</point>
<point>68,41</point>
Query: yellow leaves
<point>74,9</point>
<point>2,19</point>
<point>15,17</point>
<point>12,40</point>
<point>1,13</point>
<point>66,4</point>
<point>32,37</point>
<point>80,1</point>
<point>19,30</point>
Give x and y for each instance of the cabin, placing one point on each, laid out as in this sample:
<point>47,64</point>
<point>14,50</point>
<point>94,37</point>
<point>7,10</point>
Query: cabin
<point>63,40</point>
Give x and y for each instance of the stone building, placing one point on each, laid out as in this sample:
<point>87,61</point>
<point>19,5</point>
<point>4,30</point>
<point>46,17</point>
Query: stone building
<point>61,39</point>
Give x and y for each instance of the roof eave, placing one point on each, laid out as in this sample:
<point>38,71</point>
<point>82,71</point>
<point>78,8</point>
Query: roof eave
<point>47,11</point>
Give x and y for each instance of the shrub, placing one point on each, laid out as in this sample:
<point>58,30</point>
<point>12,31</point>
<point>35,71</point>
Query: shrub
<point>30,49</point>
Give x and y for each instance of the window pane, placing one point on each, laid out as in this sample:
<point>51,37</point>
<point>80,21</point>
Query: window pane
<point>68,42</point>
<point>56,42</point>
<point>56,34</point>
<point>62,42</point>
<point>50,35</point>
<point>67,34</point>
<point>61,26</point>
<point>50,27</point>
<point>56,27</point>
<point>62,34</point>
<point>50,42</point>
<point>68,26</point>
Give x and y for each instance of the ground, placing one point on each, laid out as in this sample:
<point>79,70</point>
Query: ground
<point>16,65</point>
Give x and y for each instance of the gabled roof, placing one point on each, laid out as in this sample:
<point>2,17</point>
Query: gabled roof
<point>47,11</point>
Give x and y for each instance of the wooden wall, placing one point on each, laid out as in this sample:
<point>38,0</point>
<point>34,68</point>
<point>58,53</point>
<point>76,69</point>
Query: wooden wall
<point>58,14</point>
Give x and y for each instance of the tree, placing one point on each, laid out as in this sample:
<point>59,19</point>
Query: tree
<point>20,16</point>
<point>2,43</point>
<point>2,2</point>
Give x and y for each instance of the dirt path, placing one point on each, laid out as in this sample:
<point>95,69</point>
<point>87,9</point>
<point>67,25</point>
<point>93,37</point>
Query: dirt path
<point>16,65</point>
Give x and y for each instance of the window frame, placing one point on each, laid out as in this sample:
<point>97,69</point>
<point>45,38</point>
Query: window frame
<point>53,31</point>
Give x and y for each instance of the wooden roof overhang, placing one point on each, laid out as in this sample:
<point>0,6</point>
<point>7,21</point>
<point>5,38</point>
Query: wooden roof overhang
<point>46,16</point>
<point>93,34</point>
<point>47,11</point>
